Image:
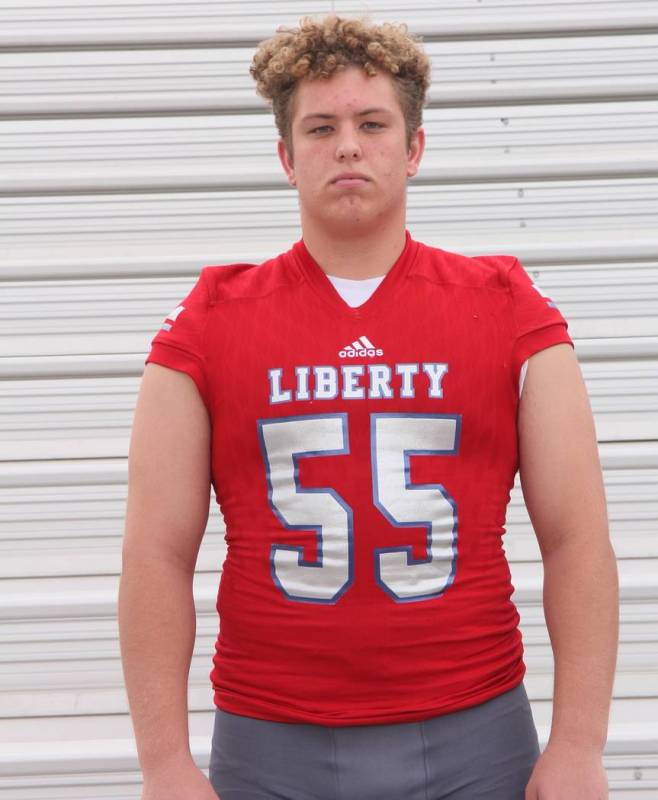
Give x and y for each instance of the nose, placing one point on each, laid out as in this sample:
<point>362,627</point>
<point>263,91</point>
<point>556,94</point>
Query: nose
<point>348,146</point>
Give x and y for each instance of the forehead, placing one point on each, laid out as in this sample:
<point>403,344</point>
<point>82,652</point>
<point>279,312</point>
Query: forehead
<point>346,91</point>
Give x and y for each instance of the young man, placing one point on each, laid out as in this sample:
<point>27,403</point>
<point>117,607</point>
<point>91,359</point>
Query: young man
<point>356,404</point>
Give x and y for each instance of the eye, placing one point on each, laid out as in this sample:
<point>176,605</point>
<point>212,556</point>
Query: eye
<point>320,129</point>
<point>376,124</point>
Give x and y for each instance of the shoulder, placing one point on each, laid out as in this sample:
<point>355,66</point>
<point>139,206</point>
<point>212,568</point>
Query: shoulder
<point>241,281</point>
<point>482,271</point>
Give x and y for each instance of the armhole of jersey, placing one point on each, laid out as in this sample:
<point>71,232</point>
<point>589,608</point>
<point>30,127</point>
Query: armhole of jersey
<point>186,357</point>
<point>524,369</point>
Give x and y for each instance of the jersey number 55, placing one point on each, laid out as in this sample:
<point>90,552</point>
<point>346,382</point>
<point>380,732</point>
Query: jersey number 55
<point>393,439</point>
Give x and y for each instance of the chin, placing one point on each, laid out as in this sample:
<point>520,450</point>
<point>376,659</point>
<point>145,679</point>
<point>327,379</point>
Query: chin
<point>355,213</point>
<point>355,225</point>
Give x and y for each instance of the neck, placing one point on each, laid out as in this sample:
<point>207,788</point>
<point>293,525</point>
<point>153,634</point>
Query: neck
<point>361,256</point>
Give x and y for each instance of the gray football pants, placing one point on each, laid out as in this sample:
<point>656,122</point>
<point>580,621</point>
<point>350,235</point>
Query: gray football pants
<point>481,753</point>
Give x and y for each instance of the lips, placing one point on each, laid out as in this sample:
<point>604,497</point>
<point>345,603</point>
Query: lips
<point>350,178</point>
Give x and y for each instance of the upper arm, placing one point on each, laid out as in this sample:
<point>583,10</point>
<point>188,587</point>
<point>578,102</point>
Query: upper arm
<point>558,456</point>
<point>169,468</point>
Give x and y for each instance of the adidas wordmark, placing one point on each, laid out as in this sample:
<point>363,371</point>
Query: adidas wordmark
<point>360,347</point>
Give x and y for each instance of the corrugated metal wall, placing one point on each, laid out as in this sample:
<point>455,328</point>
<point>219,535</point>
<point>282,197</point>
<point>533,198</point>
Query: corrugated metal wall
<point>134,150</point>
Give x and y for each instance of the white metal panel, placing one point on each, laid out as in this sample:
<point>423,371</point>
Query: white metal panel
<point>464,72</point>
<point>87,23</point>
<point>558,220</point>
<point>45,619</point>
<point>107,317</point>
<point>96,694</point>
<point>127,161</point>
<point>571,208</point>
<point>58,526</point>
<point>97,155</point>
<point>73,645</point>
<point>64,418</point>
<point>78,769</point>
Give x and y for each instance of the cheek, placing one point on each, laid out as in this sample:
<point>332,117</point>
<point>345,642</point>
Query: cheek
<point>395,164</point>
<point>309,182</point>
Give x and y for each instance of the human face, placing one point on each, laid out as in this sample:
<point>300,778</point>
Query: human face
<point>350,125</point>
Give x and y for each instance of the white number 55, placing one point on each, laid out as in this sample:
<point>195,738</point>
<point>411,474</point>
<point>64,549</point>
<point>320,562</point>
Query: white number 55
<point>393,439</point>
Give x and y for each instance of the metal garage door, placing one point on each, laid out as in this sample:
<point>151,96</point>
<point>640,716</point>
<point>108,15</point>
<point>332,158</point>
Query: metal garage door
<point>134,150</point>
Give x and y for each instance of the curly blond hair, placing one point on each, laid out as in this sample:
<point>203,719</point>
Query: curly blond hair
<point>318,48</point>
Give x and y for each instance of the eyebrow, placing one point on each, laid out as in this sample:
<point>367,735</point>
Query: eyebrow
<point>333,116</point>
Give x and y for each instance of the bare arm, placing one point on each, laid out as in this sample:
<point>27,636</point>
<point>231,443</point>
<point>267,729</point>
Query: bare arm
<point>563,489</point>
<point>166,516</point>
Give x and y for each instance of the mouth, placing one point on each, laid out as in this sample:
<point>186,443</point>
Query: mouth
<point>350,179</point>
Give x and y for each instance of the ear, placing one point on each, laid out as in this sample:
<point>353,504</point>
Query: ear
<point>415,152</point>
<point>286,162</point>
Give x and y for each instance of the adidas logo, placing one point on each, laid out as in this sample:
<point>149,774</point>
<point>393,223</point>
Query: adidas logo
<point>549,302</point>
<point>172,316</point>
<point>360,347</point>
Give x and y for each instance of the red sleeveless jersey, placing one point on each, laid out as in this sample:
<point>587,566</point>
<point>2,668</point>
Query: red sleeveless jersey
<point>363,460</point>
